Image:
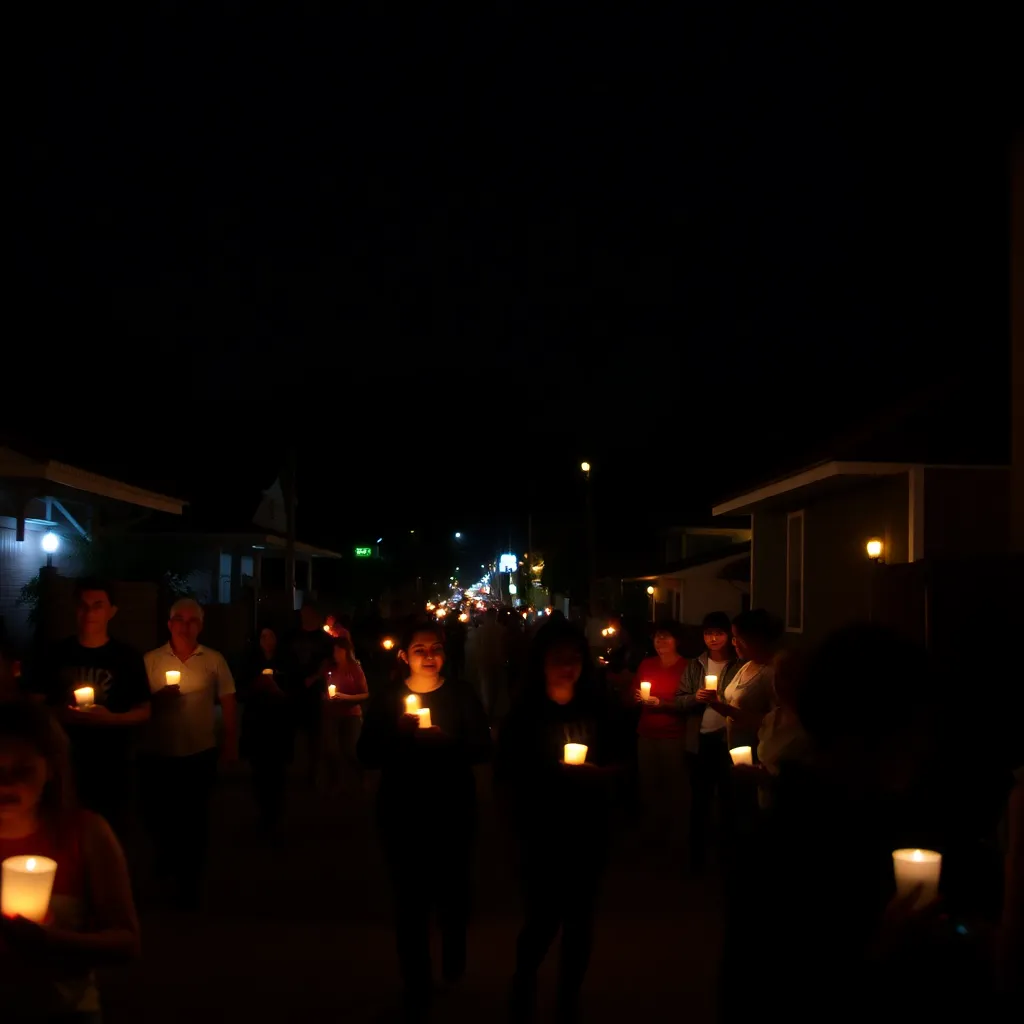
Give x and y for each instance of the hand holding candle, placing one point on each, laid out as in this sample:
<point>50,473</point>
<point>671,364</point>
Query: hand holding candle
<point>172,677</point>
<point>332,691</point>
<point>741,755</point>
<point>85,697</point>
<point>575,753</point>
<point>412,704</point>
<point>917,867</point>
<point>711,683</point>
<point>424,716</point>
<point>645,691</point>
<point>25,887</point>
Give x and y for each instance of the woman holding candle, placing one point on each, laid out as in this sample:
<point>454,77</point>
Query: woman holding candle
<point>426,804</point>
<point>707,747</point>
<point>268,725</point>
<point>345,715</point>
<point>558,809</point>
<point>661,736</point>
<point>46,968</point>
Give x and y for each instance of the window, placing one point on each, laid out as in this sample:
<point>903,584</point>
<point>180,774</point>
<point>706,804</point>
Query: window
<point>795,572</point>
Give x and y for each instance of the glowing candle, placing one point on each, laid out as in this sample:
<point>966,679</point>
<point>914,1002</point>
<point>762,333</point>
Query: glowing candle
<point>917,867</point>
<point>645,691</point>
<point>711,682</point>
<point>741,755</point>
<point>424,717</point>
<point>85,697</point>
<point>575,753</point>
<point>266,672</point>
<point>25,887</point>
<point>332,690</point>
<point>412,704</point>
<point>172,677</point>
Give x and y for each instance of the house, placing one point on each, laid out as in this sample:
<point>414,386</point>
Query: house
<point>705,569</point>
<point>810,530</point>
<point>69,507</point>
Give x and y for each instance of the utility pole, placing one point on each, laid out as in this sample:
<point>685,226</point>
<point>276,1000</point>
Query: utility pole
<point>288,486</point>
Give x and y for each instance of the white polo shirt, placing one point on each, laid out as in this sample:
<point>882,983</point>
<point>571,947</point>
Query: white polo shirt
<point>186,726</point>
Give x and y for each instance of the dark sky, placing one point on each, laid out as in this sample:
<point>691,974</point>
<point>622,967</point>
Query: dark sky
<point>452,262</point>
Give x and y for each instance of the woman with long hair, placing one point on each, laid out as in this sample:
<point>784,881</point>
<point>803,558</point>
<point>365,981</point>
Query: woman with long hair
<point>46,969</point>
<point>426,803</point>
<point>344,718</point>
<point>554,804</point>
<point>268,724</point>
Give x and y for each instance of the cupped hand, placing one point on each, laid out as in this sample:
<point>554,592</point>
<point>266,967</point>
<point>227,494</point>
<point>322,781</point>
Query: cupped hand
<point>23,935</point>
<point>408,723</point>
<point>707,696</point>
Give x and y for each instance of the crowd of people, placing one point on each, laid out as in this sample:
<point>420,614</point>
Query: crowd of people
<point>841,757</point>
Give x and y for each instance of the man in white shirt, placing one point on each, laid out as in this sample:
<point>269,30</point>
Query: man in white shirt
<point>181,749</point>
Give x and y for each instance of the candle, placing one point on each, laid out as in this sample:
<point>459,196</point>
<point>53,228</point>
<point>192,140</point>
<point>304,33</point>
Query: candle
<point>332,690</point>
<point>741,755</point>
<point>917,867</point>
<point>412,704</point>
<point>711,682</point>
<point>424,717</point>
<point>575,753</point>
<point>25,887</point>
<point>645,691</point>
<point>85,697</point>
<point>266,672</point>
<point>172,677</point>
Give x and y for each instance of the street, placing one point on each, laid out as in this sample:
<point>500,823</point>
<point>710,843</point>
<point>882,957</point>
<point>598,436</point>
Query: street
<point>302,931</point>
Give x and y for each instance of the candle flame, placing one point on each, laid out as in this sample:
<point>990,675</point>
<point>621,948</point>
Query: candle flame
<point>30,864</point>
<point>917,855</point>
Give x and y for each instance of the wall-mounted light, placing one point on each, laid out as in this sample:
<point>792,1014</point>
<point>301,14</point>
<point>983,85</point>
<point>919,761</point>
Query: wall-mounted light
<point>875,549</point>
<point>49,544</point>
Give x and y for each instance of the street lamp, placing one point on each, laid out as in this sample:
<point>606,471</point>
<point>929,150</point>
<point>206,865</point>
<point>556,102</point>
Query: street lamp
<point>458,536</point>
<point>585,466</point>
<point>650,593</point>
<point>875,548</point>
<point>50,543</point>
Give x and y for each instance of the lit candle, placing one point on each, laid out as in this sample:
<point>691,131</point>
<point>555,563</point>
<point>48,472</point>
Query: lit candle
<point>711,682</point>
<point>412,704</point>
<point>25,887</point>
<point>172,677</point>
<point>741,755</point>
<point>917,867</point>
<point>645,691</point>
<point>575,753</point>
<point>85,697</point>
<point>332,690</point>
<point>266,672</point>
<point>424,717</point>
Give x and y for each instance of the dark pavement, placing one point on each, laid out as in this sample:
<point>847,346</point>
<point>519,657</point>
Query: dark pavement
<point>301,932</point>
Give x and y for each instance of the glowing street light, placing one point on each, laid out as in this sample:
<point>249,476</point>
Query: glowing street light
<point>874,548</point>
<point>50,543</point>
<point>585,466</point>
<point>654,606</point>
<point>458,536</point>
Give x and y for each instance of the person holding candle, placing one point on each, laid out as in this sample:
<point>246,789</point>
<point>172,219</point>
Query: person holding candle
<point>345,715</point>
<point>311,653</point>
<point>180,765</point>
<point>559,811</point>
<point>46,968</point>
<point>268,725</point>
<point>707,747</point>
<point>102,733</point>
<point>426,804</point>
<point>661,736</point>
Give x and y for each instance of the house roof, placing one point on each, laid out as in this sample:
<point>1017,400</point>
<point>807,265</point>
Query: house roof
<point>18,464</point>
<point>730,553</point>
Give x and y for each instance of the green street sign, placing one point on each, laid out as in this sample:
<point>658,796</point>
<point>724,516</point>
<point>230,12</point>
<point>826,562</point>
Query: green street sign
<point>364,552</point>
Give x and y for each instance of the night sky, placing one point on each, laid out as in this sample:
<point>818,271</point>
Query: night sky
<point>450,263</point>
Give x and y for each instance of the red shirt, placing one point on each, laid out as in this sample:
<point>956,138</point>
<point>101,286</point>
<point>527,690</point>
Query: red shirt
<point>664,683</point>
<point>349,680</point>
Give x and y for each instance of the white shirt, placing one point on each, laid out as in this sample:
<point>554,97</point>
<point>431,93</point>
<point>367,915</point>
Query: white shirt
<point>712,721</point>
<point>186,726</point>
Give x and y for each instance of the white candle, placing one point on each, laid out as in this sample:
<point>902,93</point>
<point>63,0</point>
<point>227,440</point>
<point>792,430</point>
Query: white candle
<point>332,690</point>
<point>741,755</point>
<point>25,887</point>
<point>917,867</point>
<point>645,691</point>
<point>412,704</point>
<point>85,697</point>
<point>575,753</point>
<point>424,717</point>
<point>172,677</point>
<point>711,682</point>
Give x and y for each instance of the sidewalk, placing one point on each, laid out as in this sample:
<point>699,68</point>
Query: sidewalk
<point>302,932</point>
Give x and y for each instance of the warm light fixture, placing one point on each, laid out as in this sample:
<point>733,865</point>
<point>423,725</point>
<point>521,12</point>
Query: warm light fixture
<point>387,643</point>
<point>874,548</point>
<point>650,591</point>
<point>585,466</point>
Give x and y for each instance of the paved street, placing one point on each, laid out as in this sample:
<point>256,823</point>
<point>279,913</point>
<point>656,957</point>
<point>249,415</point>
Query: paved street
<point>301,933</point>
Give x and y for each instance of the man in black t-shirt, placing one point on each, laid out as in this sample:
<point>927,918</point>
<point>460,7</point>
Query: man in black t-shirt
<point>101,735</point>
